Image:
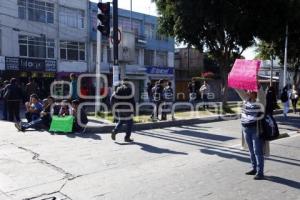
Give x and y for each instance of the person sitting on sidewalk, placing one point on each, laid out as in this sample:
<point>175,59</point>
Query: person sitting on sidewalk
<point>65,109</point>
<point>80,117</point>
<point>43,121</point>
<point>33,108</point>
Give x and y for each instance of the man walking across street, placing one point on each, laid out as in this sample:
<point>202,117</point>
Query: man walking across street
<point>123,107</point>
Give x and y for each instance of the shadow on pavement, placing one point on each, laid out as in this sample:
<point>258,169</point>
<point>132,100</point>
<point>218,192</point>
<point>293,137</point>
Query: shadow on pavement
<point>292,121</point>
<point>283,181</point>
<point>84,135</point>
<point>240,156</point>
<point>152,149</point>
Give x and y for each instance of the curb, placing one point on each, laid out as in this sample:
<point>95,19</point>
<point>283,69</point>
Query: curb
<point>107,128</point>
<point>163,124</point>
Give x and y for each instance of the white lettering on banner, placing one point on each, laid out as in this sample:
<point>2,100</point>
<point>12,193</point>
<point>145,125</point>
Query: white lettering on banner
<point>159,71</point>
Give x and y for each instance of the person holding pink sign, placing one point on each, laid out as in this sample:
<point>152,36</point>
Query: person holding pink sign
<point>243,78</point>
<point>252,111</point>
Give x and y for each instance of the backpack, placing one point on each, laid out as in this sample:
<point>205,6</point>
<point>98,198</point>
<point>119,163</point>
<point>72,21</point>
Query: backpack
<point>168,93</point>
<point>284,96</point>
<point>268,128</point>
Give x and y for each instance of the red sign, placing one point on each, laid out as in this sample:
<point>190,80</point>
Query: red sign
<point>244,74</point>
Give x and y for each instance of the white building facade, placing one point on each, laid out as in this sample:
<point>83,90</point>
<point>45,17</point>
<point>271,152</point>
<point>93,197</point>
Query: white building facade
<point>43,38</point>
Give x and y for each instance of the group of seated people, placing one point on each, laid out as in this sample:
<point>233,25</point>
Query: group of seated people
<point>39,114</point>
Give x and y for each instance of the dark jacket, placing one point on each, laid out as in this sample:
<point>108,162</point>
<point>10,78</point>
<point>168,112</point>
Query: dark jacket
<point>158,93</point>
<point>271,101</point>
<point>124,99</point>
<point>12,92</point>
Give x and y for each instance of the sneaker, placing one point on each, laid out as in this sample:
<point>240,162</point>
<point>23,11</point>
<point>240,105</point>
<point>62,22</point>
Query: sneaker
<point>259,177</point>
<point>128,140</point>
<point>252,172</point>
<point>113,135</point>
<point>19,127</point>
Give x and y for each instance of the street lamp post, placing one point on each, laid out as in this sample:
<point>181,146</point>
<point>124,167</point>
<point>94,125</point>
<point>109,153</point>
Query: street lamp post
<point>285,56</point>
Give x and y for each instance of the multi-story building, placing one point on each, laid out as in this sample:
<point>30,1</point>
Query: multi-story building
<point>153,54</point>
<point>43,38</point>
<point>48,39</point>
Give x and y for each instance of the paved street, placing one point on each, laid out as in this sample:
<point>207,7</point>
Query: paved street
<point>202,161</point>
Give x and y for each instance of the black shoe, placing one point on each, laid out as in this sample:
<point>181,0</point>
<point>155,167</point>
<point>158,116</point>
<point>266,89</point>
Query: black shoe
<point>128,140</point>
<point>113,135</point>
<point>259,177</point>
<point>252,172</point>
<point>19,127</point>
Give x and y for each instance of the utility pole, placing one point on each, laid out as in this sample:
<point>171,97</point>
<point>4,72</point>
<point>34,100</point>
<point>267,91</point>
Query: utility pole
<point>272,64</point>
<point>131,15</point>
<point>188,59</point>
<point>116,67</point>
<point>285,56</point>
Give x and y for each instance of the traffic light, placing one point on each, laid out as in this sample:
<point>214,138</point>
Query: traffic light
<point>104,18</point>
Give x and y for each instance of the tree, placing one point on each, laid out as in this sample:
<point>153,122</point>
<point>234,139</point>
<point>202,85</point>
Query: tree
<point>274,42</point>
<point>225,28</point>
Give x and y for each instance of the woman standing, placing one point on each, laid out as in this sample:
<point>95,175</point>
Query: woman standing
<point>254,106</point>
<point>294,98</point>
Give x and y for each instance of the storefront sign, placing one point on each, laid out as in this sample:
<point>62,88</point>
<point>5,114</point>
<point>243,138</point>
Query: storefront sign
<point>2,63</point>
<point>11,63</point>
<point>29,64</point>
<point>160,70</point>
<point>50,66</point>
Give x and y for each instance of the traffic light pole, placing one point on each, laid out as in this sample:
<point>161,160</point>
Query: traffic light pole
<point>116,67</point>
<point>98,70</point>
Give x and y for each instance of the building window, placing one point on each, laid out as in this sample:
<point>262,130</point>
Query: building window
<point>137,57</point>
<point>149,57</point>
<point>72,50</point>
<point>161,58</point>
<point>149,31</point>
<point>39,11</point>
<point>36,47</point>
<point>71,17</point>
<point>0,42</point>
<point>161,37</point>
<point>126,25</point>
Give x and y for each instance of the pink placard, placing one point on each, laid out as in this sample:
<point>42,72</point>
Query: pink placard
<point>243,74</point>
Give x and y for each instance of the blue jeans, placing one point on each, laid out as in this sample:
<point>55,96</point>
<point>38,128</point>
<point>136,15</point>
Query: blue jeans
<point>255,145</point>
<point>33,124</point>
<point>129,124</point>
